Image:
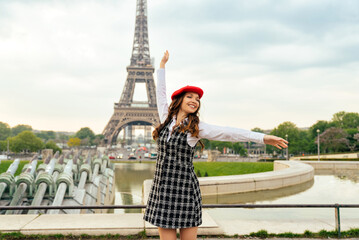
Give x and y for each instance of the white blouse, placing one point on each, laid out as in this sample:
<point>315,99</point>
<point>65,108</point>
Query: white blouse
<point>209,131</point>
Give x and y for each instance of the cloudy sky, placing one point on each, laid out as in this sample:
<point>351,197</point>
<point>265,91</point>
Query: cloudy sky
<point>260,63</point>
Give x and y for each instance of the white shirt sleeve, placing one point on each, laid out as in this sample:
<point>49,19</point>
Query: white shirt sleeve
<point>230,134</point>
<point>162,104</point>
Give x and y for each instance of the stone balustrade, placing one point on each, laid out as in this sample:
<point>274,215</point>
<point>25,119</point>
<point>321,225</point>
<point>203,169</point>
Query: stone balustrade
<point>333,165</point>
<point>286,173</point>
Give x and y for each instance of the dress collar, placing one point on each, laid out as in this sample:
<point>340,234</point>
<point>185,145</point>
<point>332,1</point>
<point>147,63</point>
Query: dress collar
<point>174,118</point>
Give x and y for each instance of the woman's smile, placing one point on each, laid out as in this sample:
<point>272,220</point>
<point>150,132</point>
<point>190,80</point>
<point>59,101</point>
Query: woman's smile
<point>194,106</point>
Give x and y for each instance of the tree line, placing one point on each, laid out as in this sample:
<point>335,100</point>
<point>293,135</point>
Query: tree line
<point>340,134</point>
<point>22,138</point>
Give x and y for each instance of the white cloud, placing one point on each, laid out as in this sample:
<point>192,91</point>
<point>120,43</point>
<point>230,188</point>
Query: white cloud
<point>293,54</point>
<point>63,63</point>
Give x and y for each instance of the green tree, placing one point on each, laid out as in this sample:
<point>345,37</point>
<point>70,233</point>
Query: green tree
<point>207,143</point>
<point>321,125</point>
<point>63,137</point>
<point>352,142</point>
<point>257,129</point>
<point>74,142</point>
<point>356,137</point>
<point>52,145</point>
<point>51,134</point>
<point>337,118</point>
<point>346,120</point>
<point>3,145</point>
<point>26,141</point>
<point>86,142</point>
<point>286,128</point>
<point>20,128</point>
<point>351,120</point>
<point>306,143</point>
<point>334,139</point>
<point>46,135</point>
<point>86,135</point>
<point>239,148</point>
<point>5,131</point>
<point>98,139</point>
<point>220,145</point>
<point>293,132</point>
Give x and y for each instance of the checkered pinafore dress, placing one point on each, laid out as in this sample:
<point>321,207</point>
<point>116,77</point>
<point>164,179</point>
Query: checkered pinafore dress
<point>175,198</point>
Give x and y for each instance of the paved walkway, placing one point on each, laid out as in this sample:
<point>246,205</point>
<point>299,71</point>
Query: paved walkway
<point>274,238</point>
<point>92,224</point>
<point>132,224</point>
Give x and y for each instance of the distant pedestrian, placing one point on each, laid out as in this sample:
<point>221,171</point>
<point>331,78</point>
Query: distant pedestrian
<point>175,198</point>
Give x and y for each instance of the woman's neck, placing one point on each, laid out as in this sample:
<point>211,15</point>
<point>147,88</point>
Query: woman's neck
<point>180,116</point>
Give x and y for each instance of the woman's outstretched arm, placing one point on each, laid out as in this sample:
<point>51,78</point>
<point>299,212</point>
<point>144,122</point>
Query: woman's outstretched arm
<point>162,104</point>
<point>231,134</point>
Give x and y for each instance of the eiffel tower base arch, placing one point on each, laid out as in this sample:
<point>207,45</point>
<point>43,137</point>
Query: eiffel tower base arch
<point>124,117</point>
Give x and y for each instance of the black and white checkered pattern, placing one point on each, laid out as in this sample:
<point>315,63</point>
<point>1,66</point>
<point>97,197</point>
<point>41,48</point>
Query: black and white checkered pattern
<point>175,198</point>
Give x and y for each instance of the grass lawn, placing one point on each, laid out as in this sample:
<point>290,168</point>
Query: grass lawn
<point>212,168</point>
<point>5,164</point>
<point>231,168</point>
<point>222,168</point>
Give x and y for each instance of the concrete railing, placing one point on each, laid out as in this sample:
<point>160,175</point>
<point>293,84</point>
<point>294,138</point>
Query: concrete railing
<point>333,165</point>
<point>286,173</point>
<point>324,156</point>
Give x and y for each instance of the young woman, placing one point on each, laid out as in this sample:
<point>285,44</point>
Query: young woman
<point>175,198</point>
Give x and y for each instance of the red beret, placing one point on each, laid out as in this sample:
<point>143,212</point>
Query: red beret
<point>187,88</point>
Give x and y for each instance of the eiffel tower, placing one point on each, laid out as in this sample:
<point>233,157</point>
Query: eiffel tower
<point>128,112</point>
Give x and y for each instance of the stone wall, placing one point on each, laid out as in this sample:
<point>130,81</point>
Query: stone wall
<point>286,173</point>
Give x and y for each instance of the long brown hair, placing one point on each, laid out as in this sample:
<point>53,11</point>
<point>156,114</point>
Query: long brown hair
<point>193,119</point>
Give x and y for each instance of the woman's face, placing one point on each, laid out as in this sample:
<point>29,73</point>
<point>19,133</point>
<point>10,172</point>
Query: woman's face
<point>190,102</point>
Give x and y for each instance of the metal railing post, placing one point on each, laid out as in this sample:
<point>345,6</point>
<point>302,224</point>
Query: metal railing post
<point>337,219</point>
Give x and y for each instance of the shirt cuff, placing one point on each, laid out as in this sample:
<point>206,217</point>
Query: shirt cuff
<point>257,137</point>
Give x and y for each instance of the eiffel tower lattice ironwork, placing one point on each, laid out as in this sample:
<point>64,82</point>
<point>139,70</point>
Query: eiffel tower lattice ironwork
<point>127,111</point>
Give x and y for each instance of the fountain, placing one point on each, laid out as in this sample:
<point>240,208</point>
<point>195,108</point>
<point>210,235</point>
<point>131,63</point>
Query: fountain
<point>24,183</point>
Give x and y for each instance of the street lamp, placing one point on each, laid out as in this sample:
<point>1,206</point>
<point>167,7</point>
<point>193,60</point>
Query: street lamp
<point>286,138</point>
<point>8,149</point>
<point>318,131</point>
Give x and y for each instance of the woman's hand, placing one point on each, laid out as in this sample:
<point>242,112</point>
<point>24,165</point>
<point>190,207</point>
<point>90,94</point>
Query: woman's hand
<point>164,59</point>
<point>275,141</point>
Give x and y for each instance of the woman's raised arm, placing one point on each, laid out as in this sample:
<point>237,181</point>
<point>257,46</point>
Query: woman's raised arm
<point>164,59</point>
<point>162,104</point>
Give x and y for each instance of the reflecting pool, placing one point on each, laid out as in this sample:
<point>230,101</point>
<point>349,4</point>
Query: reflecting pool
<point>327,187</point>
